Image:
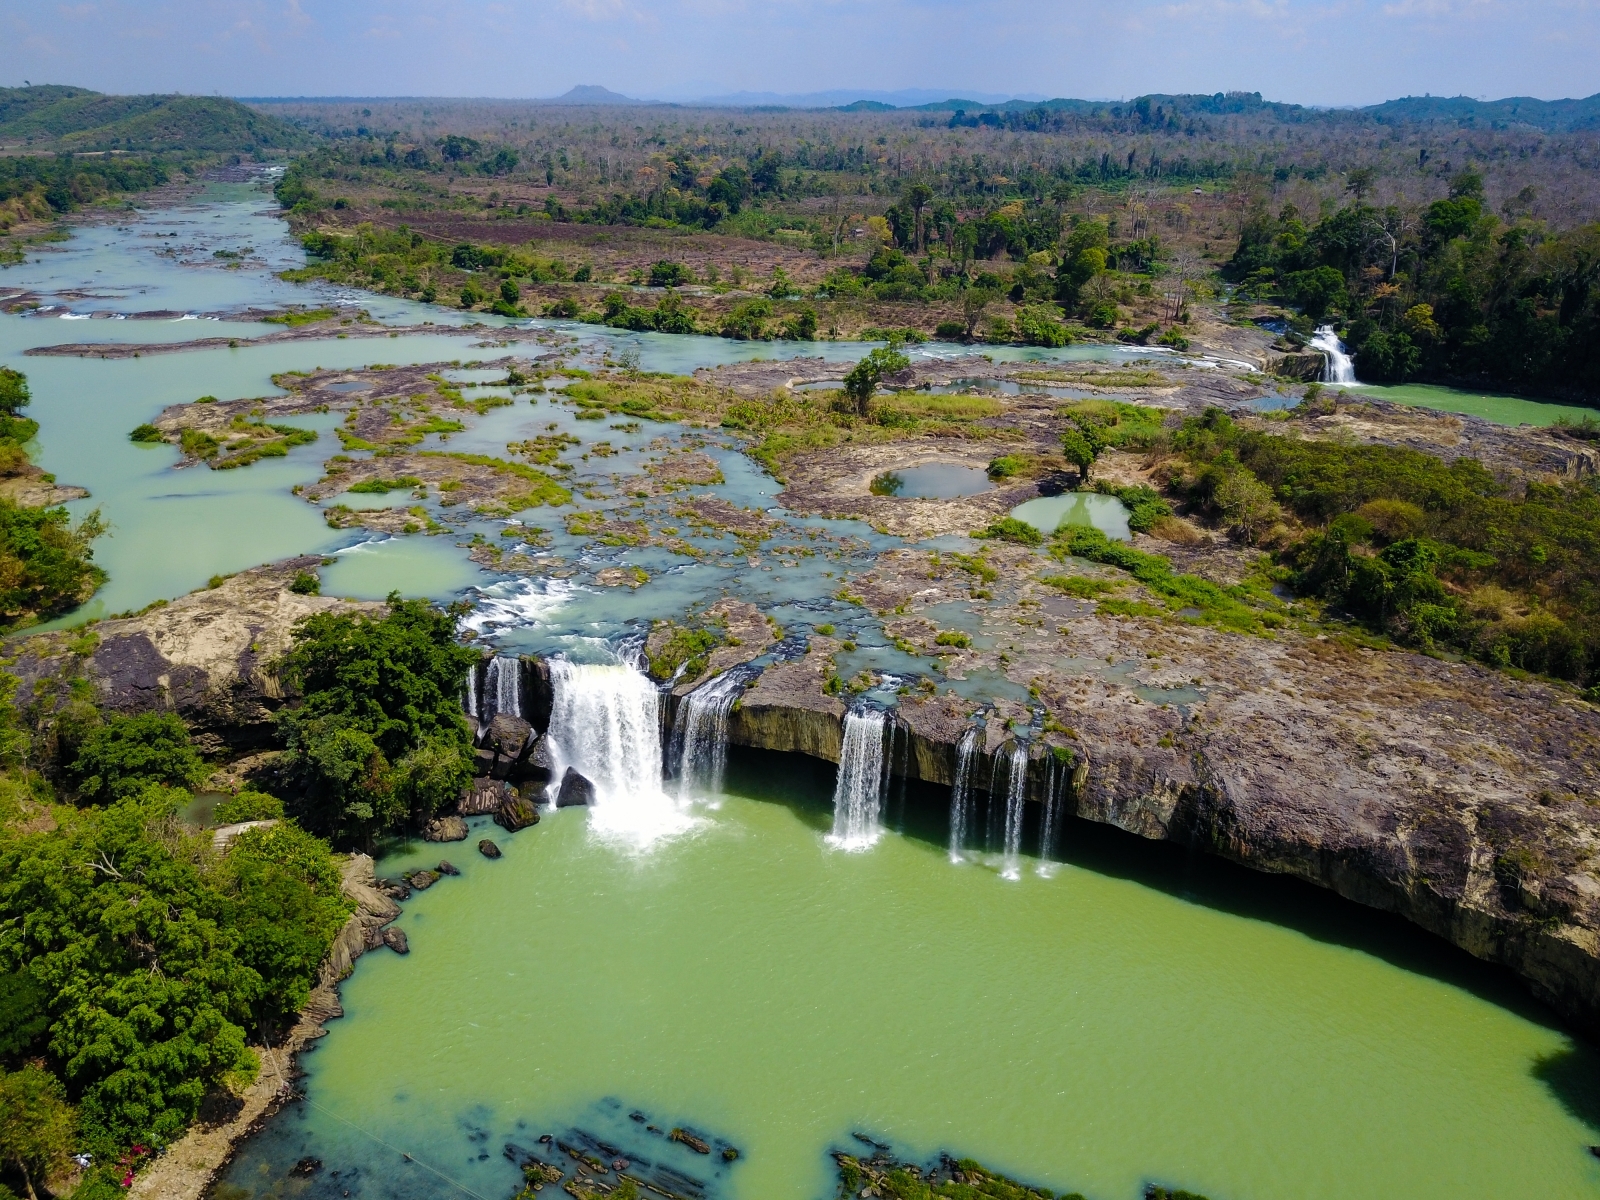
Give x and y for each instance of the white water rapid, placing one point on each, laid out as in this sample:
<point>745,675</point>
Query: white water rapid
<point>961,792</point>
<point>858,795</point>
<point>1339,368</point>
<point>605,723</point>
<point>1016,790</point>
<point>700,734</point>
<point>472,692</point>
<point>502,685</point>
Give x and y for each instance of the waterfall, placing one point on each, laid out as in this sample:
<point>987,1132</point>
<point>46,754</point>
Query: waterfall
<point>1339,368</point>
<point>961,792</point>
<point>1056,774</point>
<point>502,685</point>
<point>1016,795</point>
<point>858,794</point>
<point>699,750</point>
<point>605,723</point>
<point>472,691</point>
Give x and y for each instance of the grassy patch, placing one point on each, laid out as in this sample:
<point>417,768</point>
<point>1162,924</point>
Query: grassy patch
<point>1197,599</point>
<point>308,316</point>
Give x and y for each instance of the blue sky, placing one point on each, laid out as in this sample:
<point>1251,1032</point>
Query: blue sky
<point>1307,51</point>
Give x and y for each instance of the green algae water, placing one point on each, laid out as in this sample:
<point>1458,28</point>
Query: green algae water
<point>1501,409</point>
<point>1092,1026</point>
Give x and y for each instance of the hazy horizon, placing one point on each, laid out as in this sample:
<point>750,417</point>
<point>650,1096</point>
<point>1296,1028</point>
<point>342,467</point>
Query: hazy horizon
<point>1333,53</point>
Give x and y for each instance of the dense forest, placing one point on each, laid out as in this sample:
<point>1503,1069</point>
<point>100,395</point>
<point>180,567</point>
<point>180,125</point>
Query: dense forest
<point>139,963</point>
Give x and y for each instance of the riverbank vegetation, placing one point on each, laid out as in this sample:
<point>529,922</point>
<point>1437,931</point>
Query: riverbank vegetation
<point>137,961</point>
<point>379,738</point>
<point>1431,553</point>
<point>1037,224</point>
<point>1450,291</point>
<point>46,559</point>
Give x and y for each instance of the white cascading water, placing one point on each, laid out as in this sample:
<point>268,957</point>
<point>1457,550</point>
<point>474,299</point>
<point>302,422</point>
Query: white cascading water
<point>858,795</point>
<point>1016,796</point>
<point>472,692</point>
<point>1055,791</point>
<point>502,684</point>
<point>1339,368</point>
<point>605,723</point>
<point>961,792</point>
<point>700,734</point>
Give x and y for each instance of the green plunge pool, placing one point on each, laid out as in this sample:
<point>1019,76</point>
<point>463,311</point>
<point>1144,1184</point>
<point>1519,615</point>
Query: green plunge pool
<point>1122,1018</point>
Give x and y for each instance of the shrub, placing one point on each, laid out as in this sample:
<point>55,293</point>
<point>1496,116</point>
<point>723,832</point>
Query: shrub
<point>127,754</point>
<point>950,331</point>
<point>1009,529</point>
<point>954,638</point>
<point>248,805</point>
<point>670,274</point>
<point>305,583</point>
<point>146,433</point>
<point>379,736</point>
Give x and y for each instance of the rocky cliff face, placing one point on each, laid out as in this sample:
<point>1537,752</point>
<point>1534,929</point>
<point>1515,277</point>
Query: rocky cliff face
<point>206,656</point>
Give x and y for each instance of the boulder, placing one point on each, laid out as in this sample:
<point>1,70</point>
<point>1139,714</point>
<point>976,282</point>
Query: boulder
<point>575,791</point>
<point>446,867</point>
<point>395,939</point>
<point>445,829</point>
<point>423,880</point>
<point>488,849</point>
<point>485,796</point>
<point>516,813</point>
<point>508,736</point>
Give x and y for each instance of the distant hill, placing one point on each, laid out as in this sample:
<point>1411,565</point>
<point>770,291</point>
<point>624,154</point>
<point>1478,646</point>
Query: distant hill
<point>70,118</point>
<point>590,93</point>
<point>1552,115</point>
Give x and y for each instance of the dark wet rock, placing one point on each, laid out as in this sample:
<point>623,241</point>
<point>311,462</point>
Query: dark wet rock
<point>684,1137</point>
<point>508,735</point>
<point>445,867</point>
<point>395,939</point>
<point>488,849</point>
<point>575,792</point>
<point>423,880</point>
<point>516,813</point>
<point>445,829</point>
<point>393,889</point>
<point>306,1167</point>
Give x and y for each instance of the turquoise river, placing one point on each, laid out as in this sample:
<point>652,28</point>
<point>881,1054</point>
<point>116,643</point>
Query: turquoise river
<point>1124,1016</point>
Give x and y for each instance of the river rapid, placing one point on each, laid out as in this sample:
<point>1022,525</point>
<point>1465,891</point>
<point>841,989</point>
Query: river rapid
<point>1119,1016</point>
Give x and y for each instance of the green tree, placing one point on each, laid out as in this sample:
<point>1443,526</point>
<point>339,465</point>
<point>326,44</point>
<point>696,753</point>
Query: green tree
<point>380,734</point>
<point>147,994</point>
<point>973,303</point>
<point>127,754</point>
<point>1081,443</point>
<point>918,197</point>
<point>284,906</point>
<point>37,1124</point>
<point>14,393</point>
<point>1083,257</point>
<point>862,380</point>
<point>46,562</point>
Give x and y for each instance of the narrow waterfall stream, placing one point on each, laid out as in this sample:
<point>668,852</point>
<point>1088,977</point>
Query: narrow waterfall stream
<point>961,792</point>
<point>471,703</point>
<point>605,723</point>
<point>1016,793</point>
<point>1056,774</point>
<point>1340,368</point>
<point>858,794</point>
<point>502,687</point>
<point>699,749</point>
